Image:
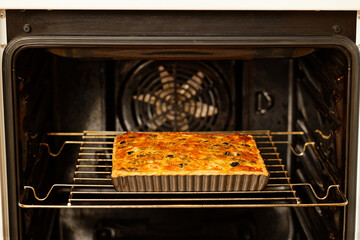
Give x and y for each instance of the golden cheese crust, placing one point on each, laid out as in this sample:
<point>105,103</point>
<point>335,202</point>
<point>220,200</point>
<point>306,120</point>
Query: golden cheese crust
<point>175,153</point>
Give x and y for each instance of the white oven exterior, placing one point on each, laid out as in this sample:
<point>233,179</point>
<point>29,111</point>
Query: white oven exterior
<point>182,5</point>
<point>353,5</point>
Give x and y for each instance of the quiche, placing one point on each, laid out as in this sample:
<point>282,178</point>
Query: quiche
<point>159,154</point>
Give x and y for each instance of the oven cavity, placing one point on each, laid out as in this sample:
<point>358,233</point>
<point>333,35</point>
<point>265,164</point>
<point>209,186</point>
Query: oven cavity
<point>71,98</point>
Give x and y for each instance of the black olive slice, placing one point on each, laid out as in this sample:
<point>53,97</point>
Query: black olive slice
<point>234,164</point>
<point>130,152</point>
<point>227,153</point>
<point>181,165</point>
<point>226,143</point>
<point>122,142</point>
<point>169,156</point>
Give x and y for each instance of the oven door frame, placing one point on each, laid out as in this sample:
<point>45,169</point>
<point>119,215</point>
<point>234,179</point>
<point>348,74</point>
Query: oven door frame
<point>7,160</point>
<point>4,216</point>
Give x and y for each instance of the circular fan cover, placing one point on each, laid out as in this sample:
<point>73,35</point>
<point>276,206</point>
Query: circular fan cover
<point>174,96</point>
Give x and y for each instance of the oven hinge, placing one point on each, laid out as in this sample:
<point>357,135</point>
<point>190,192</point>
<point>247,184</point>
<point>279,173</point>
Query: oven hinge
<point>3,38</point>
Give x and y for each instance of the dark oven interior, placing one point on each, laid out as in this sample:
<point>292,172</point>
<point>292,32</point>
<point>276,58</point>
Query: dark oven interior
<point>297,92</point>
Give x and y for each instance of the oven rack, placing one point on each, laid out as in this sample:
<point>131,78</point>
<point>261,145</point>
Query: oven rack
<point>92,185</point>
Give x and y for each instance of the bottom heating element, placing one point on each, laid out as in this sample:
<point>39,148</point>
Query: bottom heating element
<point>92,185</point>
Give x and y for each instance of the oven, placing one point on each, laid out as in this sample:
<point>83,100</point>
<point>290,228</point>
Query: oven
<point>73,80</point>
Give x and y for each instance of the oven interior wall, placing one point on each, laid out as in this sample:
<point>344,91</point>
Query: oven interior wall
<point>74,94</point>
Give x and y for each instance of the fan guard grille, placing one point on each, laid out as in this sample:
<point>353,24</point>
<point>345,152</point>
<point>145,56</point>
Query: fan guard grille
<point>174,96</point>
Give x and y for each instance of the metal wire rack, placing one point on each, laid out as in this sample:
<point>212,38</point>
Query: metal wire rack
<point>92,185</point>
